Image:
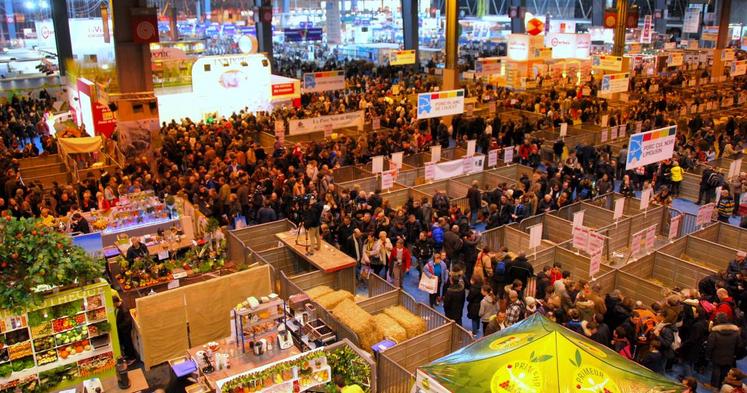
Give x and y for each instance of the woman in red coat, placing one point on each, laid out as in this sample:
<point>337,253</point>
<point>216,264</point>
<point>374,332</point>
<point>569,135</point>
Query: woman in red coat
<point>399,263</point>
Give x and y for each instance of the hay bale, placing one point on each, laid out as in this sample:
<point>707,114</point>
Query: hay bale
<point>413,324</point>
<point>318,291</point>
<point>332,299</point>
<point>360,322</point>
<point>390,328</point>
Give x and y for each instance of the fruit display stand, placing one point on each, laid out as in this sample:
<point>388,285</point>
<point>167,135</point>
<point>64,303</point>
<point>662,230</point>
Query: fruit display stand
<point>70,337</point>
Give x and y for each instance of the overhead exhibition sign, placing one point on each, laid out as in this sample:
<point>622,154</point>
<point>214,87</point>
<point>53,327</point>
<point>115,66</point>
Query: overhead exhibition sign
<point>615,83</point>
<point>318,82</point>
<point>651,147</point>
<point>607,63</point>
<point>442,103</point>
<point>322,123</point>
<point>402,57</point>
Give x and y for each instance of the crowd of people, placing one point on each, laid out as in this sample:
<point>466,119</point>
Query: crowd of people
<point>221,167</point>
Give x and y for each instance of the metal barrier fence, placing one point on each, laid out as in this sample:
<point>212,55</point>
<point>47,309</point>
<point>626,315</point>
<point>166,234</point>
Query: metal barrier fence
<point>687,225</point>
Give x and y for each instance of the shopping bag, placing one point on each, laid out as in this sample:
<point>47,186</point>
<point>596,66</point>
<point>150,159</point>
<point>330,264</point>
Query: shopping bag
<point>428,284</point>
<point>365,272</point>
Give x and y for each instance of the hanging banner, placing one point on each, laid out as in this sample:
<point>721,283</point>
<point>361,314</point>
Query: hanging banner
<point>607,63</point>
<point>445,170</point>
<point>535,235</point>
<point>615,83</point>
<point>651,147</point>
<point>595,263</point>
<point>493,158</point>
<point>705,214</point>
<point>487,66</point>
<point>387,179</point>
<point>692,20</point>
<point>435,153</point>
<point>508,154</point>
<point>443,103</point>
<point>322,123</point>
<point>318,82</point>
<point>738,68</point>
<point>647,31</point>
<point>674,227</point>
<point>619,208</point>
<point>402,57</point>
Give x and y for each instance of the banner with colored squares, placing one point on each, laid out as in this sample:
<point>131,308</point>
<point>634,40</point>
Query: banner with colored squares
<point>318,82</point>
<point>605,62</point>
<point>615,83</point>
<point>651,147</point>
<point>442,103</point>
<point>402,57</point>
<point>488,66</point>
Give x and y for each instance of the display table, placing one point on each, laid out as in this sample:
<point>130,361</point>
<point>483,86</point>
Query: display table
<point>156,247</point>
<point>240,362</point>
<point>138,383</point>
<point>329,259</point>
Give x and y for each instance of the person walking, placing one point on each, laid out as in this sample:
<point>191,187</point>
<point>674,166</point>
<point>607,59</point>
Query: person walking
<point>489,306</point>
<point>454,297</point>
<point>474,301</point>
<point>721,348</point>
<point>436,268</point>
<point>399,263</point>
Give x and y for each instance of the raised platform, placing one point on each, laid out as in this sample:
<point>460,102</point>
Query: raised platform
<point>329,259</point>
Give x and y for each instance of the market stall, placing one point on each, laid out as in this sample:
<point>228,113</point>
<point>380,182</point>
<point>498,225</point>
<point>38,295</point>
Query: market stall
<point>537,355</point>
<point>667,271</point>
<point>554,229</point>
<point>701,252</point>
<point>725,235</point>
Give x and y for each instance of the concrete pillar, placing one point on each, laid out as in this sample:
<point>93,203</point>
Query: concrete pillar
<point>622,16</point>
<point>264,29</point>
<point>410,27</point>
<point>11,25</point>
<point>61,33</point>
<point>133,59</point>
<point>660,24</point>
<point>450,75</point>
<point>173,15</point>
<point>723,37</point>
<point>517,24</point>
<point>597,12</point>
<point>208,10</point>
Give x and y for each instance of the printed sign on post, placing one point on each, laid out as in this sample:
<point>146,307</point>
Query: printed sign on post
<point>467,165</point>
<point>603,135</point>
<point>430,171</point>
<point>387,179</point>
<point>619,208</point>
<point>650,238</point>
<point>471,144</point>
<point>595,263</point>
<point>578,218</point>
<point>674,227</point>
<point>280,130</point>
<point>435,153</point>
<point>376,123</point>
<point>563,129</point>
<point>377,165</point>
<point>635,243</point>
<point>397,159</point>
<point>596,242</point>
<point>535,235</point>
<point>645,198</point>
<point>705,213</point>
<point>581,238</point>
<point>493,158</point>
<point>508,154</point>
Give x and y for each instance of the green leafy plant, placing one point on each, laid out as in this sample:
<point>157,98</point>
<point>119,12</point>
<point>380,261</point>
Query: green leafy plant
<point>353,369</point>
<point>33,256</point>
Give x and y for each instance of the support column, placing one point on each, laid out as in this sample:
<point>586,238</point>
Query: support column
<point>660,24</point>
<point>264,26</point>
<point>173,15</point>
<point>517,24</point>
<point>410,27</point>
<point>61,34</point>
<point>452,50</point>
<point>133,59</point>
<point>11,25</point>
<point>723,37</point>
<point>597,12</point>
<point>622,16</point>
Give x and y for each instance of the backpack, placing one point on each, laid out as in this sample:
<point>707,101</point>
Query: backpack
<point>715,179</point>
<point>626,352</point>
<point>500,267</point>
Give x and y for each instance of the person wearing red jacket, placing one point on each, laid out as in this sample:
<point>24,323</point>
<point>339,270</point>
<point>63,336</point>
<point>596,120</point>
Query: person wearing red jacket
<point>399,263</point>
<point>725,305</point>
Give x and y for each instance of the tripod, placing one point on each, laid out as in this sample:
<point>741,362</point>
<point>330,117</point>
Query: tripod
<point>306,233</point>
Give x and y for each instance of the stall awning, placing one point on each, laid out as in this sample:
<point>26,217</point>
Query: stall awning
<point>89,144</point>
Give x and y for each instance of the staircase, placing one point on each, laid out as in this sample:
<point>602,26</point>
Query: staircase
<point>44,170</point>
